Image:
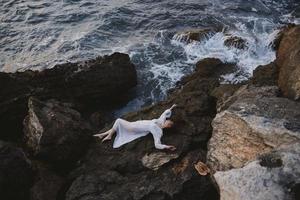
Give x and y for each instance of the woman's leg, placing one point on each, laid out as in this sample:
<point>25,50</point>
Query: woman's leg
<point>101,135</point>
<point>108,134</point>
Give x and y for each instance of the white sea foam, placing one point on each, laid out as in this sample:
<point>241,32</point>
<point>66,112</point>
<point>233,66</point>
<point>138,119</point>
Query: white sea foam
<point>259,52</point>
<point>167,74</point>
<point>166,60</point>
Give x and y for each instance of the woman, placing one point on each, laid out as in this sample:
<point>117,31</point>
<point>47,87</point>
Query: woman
<point>129,131</point>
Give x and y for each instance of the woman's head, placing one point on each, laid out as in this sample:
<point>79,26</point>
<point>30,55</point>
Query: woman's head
<point>168,124</point>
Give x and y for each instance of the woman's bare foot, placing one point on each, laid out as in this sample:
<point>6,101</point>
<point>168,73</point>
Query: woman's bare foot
<point>108,137</point>
<point>100,135</point>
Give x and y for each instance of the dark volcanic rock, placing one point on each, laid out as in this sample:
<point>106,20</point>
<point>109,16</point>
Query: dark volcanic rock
<point>55,132</point>
<point>47,185</point>
<point>209,67</point>
<point>15,173</point>
<point>196,35</point>
<point>107,173</point>
<point>236,42</point>
<point>102,81</point>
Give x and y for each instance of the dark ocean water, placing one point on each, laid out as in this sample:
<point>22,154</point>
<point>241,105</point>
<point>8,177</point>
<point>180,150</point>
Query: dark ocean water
<point>38,34</point>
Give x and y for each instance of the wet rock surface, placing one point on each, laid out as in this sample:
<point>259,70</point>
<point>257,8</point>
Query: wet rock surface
<point>196,35</point>
<point>236,42</point>
<point>199,35</point>
<point>103,81</point>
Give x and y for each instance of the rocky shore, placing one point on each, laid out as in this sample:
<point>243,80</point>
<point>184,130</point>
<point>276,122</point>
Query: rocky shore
<point>248,134</point>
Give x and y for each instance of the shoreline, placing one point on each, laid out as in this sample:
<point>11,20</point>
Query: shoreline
<point>258,120</point>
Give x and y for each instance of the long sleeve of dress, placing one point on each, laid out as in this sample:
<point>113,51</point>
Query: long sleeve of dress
<point>166,114</point>
<point>157,134</point>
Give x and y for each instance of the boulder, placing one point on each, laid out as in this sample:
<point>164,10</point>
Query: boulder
<point>276,42</point>
<point>288,61</point>
<point>103,81</point>
<point>139,171</point>
<point>274,175</point>
<point>55,132</point>
<point>209,67</point>
<point>200,35</point>
<point>265,75</point>
<point>16,174</point>
<point>236,42</point>
<point>257,122</point>
<point>196,35</point>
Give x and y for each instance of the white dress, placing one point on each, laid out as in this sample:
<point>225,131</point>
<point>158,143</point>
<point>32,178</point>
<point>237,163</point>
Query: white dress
<point>129,131</point>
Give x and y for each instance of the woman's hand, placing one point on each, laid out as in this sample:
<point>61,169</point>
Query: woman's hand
<point>171,148</point>
<point>173,106</point>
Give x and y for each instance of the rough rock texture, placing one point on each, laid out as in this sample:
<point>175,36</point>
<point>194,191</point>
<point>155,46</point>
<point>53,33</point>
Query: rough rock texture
<point>288,61</point>
<point>209,67</point>
<point>155,160</point>
<point>276,42</point>
<point>47,185</point>
<point>101,81</point>
<point>256,123</point>
<point>225,95</point>
<point>275,175</point>
<point>196,35</point>
<point>55,132</point>
<point>205,33</point>
<point>265,75</point>
<point>15,173</point>
<point>107,173</point>
<point>236,42</point>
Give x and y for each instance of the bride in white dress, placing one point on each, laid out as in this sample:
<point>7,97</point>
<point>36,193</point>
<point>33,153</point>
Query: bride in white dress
<point>128,131</point>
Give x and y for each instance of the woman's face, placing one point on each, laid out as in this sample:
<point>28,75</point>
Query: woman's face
<point>168,124</point>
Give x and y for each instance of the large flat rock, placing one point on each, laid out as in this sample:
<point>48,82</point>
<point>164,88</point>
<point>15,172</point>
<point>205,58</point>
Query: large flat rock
<point>274,175</point>
<point>255,123</point>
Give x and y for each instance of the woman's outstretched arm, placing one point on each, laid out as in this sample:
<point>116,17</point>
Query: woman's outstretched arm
<point>157,134</point>
<point>166,114</point>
